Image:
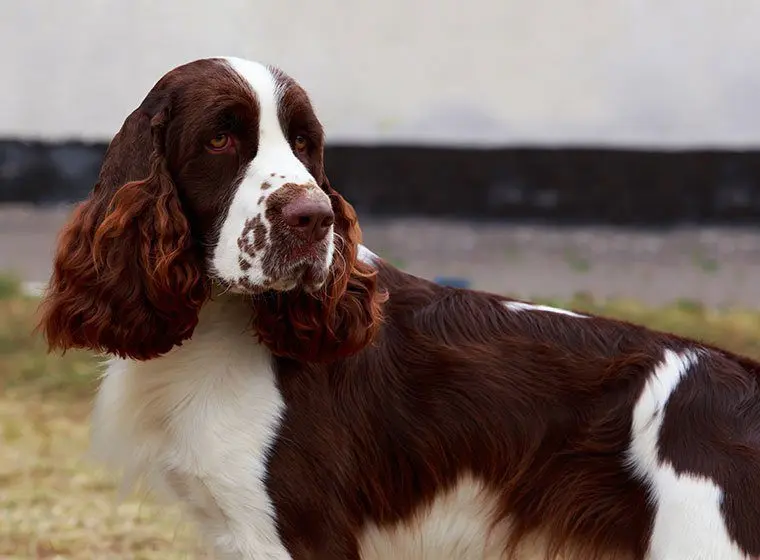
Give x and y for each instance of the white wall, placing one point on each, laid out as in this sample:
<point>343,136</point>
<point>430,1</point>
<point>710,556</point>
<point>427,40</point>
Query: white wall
<point>658,72</point>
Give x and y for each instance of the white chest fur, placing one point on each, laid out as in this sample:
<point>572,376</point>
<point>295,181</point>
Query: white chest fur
<point>196,424</point>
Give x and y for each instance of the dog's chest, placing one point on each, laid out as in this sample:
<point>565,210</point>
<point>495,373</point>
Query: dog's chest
<point>197,425</point>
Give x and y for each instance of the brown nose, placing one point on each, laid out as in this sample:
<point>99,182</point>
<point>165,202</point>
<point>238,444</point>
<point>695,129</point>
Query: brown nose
<point>310,218</point>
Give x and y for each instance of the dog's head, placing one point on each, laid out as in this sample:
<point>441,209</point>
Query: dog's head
<point>216,178</point>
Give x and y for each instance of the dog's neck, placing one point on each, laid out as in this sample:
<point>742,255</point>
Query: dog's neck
<point>195,424</point>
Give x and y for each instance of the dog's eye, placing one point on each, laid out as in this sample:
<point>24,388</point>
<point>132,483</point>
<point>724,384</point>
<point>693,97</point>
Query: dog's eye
<point>219,142</point>
<point>300,143</point>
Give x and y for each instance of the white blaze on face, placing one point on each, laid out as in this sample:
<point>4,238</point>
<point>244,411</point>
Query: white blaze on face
<point>273,166</point>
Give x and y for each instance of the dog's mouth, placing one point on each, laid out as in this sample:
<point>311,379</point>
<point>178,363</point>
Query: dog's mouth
<point>306,267</point>
<point>307,275</point>
<point>286,268</point>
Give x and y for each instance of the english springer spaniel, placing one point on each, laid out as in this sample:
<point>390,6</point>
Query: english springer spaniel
<point>304,399</point>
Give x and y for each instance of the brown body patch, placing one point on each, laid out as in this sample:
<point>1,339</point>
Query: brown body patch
<point>536,405</point>
<point>711,429</point>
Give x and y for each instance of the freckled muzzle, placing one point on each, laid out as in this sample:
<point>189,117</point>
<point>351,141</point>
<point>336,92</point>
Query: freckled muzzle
<point>292,242</point>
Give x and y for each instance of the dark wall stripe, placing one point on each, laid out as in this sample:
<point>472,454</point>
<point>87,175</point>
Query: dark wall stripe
<point>557,185</point>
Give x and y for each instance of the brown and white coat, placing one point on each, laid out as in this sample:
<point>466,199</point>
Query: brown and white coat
<point>304,399</point>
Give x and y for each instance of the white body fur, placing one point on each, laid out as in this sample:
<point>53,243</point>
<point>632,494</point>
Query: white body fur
<point>197,424</point>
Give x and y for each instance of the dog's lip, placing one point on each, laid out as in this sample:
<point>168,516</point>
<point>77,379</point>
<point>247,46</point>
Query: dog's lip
<point>306,271</point>
<point>309,251</point>
<point>309,275</point>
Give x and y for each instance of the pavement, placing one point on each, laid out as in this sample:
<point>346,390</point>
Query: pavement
<point>716,266</point>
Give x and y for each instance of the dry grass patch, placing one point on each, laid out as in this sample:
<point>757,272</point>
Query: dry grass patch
<point>56,505</point>
<point>53,502</point>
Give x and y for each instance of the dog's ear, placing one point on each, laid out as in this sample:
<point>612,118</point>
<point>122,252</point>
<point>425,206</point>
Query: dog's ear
<point>127,277</point>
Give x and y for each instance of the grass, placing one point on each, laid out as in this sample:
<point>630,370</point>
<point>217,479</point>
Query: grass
<point>55,504</point>
<point>25,366</point>
<point>577,262</point>
<point>704,262</point>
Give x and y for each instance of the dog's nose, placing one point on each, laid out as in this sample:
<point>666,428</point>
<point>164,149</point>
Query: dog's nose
<point>310,218</point>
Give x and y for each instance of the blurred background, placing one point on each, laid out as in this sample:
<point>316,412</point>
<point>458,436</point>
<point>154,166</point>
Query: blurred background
<point>539,148</point>
<point>598,154</point>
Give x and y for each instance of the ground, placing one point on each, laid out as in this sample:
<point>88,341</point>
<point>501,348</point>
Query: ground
<point>56,504</point>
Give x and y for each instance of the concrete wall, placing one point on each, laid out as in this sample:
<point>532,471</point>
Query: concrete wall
<point>633,72</point>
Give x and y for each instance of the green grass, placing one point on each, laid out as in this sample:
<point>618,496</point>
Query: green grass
<point>705,262</point>
<point>25,364</point>
<point>10,287</point>
<point>577,262</point>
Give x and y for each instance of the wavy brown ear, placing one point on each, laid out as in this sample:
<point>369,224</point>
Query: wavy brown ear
<point>127,278</point>
<point>339,320</point>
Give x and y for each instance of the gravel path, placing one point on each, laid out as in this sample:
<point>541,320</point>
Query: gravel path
<point>717,266</point>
